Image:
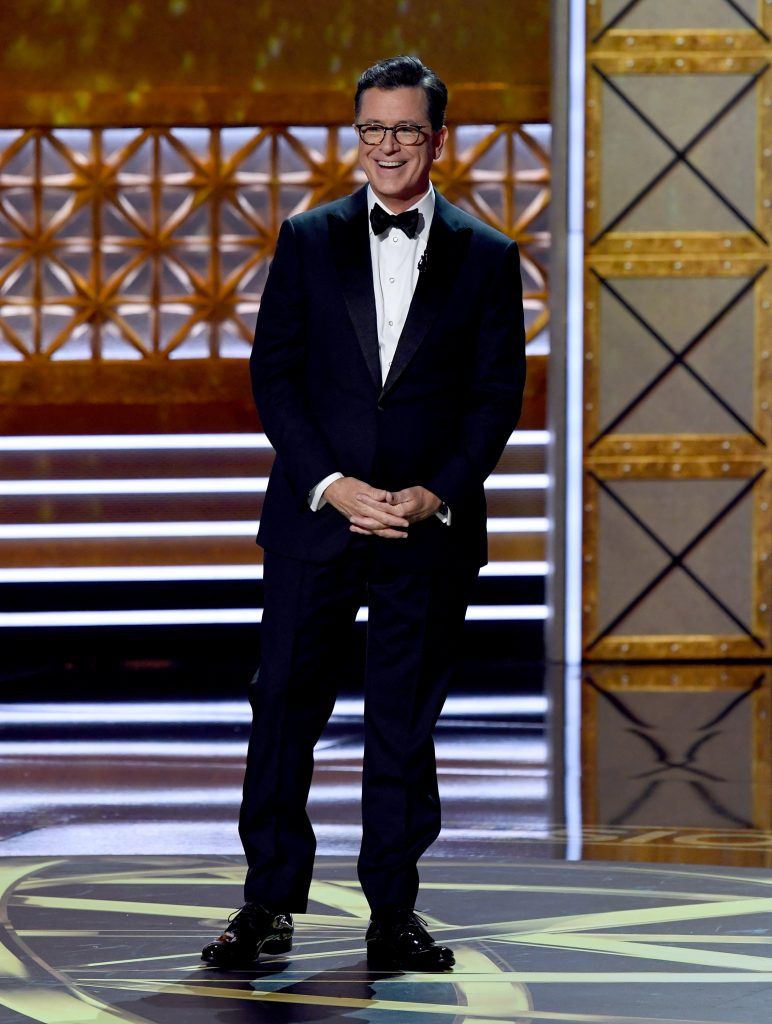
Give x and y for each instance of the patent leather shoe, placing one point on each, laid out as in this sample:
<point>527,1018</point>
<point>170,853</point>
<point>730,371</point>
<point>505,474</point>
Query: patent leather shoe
<point>250,931</point>
<point>398,941</point>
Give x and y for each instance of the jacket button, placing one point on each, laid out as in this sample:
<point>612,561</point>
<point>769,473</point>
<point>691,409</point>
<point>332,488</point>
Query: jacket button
<point>380,407</point>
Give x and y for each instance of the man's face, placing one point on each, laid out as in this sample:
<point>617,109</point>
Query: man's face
<point>399,175</point>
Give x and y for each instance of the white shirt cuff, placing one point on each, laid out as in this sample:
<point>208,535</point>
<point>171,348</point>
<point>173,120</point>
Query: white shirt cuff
<point>315,497</point>
<point>444,517</point>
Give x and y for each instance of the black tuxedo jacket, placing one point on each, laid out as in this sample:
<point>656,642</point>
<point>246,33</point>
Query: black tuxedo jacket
<point>450,401</point>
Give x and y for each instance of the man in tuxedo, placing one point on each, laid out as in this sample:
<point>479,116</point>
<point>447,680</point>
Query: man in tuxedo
<point>388,370</point>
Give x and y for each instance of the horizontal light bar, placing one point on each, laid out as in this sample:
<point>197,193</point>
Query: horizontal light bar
<point>163,485</point>
<point>221,616</point>
<point>511,524</point>
<point>232,712</point>
<point>209,485</point>
<point>172,573</point>
<point>213,528</point>
<point>131,442</point>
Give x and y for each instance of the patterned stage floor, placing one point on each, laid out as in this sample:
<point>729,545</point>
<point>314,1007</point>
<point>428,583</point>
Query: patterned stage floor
<point>117,939</point>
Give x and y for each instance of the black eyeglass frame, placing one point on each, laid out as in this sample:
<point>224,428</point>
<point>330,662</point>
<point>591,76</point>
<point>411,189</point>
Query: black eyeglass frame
<point>420,128</point>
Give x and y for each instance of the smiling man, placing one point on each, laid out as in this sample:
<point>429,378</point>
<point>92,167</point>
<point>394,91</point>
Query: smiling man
<point>388,370</point>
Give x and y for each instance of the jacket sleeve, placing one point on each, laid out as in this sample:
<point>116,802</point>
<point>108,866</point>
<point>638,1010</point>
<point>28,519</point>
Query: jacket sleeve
<point>277,367</point>
<point>495,394</point>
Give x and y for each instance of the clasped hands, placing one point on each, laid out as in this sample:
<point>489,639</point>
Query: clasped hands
<point>378,513</point>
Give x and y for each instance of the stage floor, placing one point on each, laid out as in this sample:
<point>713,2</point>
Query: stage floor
<point>117,939</point>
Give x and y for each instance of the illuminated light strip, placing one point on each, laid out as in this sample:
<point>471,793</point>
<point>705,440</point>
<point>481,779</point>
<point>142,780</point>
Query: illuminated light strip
<point>148,442</point>
<point>130,442</point>
<point>235,712</point>
<point>209,485</point>
<point>222,616</point>
<point>573,452</point>
<point>172,573</point>
<point>220,528</point>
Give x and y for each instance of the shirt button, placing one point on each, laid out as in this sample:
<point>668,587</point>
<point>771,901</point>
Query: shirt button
<point>391,323</point>
<point>395,238</point>
<point>391,280</point>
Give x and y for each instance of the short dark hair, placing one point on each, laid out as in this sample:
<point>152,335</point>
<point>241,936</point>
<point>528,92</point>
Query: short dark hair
<point>406,72</point>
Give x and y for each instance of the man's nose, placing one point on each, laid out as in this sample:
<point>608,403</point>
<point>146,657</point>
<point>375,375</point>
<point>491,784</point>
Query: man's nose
<point>389,144</point>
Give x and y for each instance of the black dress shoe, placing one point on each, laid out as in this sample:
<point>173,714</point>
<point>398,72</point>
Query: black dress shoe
<point>398,941</point>
<point>251,931</point>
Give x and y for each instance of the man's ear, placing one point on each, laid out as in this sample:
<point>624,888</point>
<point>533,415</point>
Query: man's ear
<point>439,141</point>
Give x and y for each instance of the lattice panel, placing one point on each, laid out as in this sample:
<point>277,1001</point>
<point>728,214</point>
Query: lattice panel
<point>678,385</point>
<point>153,244</point>
<point>674,758</point>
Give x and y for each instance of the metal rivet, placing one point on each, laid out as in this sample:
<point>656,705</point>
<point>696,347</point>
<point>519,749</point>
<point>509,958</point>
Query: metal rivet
<point>680,62</point>
<point>588,558</point>
<point>680,40</point>
<point>588,406</point>
<point>764,506</point>
<point>590,154</point>
<point>729,40</point>
<point>630,63</point>
<point>590,204</point>
<point>768,152</point>
<point>727,243</point>
<point>628,245</point>
<point>767,203</point>
<point>625,648</point>
<point>588,508</point>
<point>630,40</point>
<point>729,62</point>
<point>724,647</point>
<point>588,356</point>
<point>765,405</point>
<point>675,647</point>
<point>726,467</point>
<point>727,264</point>
<point>762,607</point>
<point>676,467</point>
<point>765,354</point>
<point>678,243</point>
<point>766,304</point>
<point>676,446</point>
<point>628,265</point>
<point>678,265</point>
<point>626,468</point>
<point>626,446</point>
<point>726,445</point>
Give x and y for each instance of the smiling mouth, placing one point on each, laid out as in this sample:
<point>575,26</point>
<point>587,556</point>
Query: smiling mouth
<point>390,163</point>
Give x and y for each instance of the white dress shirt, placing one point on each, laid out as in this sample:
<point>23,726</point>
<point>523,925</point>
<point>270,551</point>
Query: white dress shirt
<point>394,258</point>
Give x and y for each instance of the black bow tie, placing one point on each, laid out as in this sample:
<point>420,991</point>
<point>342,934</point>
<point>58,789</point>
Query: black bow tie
<point>382,221</point>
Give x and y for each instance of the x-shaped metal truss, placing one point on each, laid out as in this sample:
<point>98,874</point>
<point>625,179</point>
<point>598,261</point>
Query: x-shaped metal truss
<point>680,154</point>
<point>678,358</point>
<point>676,559</point>
<point>669,762</point>
<point>628,7</point>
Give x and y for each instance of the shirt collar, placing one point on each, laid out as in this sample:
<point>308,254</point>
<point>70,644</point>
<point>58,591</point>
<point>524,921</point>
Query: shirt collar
<point>424,205</point>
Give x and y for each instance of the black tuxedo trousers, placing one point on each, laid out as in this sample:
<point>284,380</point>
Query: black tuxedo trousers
<point>415,621</point>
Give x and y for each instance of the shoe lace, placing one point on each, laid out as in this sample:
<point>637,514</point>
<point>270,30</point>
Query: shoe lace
<point>412,923</point>
<point>249,916</point>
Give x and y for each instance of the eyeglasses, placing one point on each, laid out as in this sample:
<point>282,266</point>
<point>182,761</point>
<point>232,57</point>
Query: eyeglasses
<point>404,134</point>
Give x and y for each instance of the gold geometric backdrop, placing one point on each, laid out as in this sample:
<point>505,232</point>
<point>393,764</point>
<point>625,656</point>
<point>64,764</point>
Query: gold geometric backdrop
<point>152,244</point>
<point>678,379</point>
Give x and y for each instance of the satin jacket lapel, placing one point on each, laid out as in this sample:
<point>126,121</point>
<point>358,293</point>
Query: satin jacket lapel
<point>350,240</point>
<point>445,250</point>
